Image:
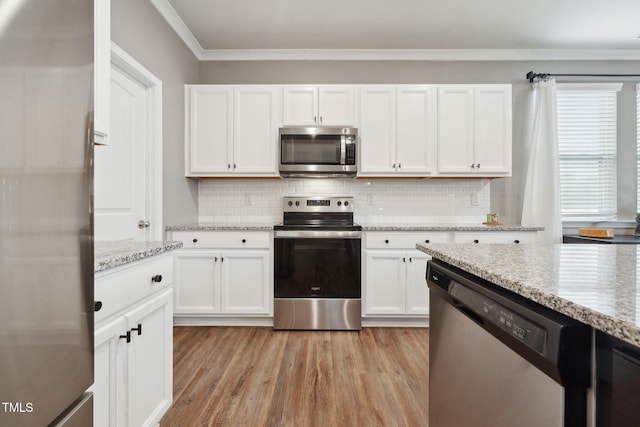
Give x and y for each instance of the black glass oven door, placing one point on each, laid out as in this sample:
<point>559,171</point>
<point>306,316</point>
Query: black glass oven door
<point>317,268</point>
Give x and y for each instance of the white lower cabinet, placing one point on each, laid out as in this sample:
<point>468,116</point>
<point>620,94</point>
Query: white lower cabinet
<point>395,283</point>
<point>394,273</point>
<point>133,346</point>
<point>222,274</point>
<point>495,237</point>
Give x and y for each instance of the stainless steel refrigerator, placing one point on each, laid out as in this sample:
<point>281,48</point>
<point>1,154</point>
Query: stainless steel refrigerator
<point>46,230</point>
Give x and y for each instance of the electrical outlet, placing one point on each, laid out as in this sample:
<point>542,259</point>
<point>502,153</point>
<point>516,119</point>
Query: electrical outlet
<point>473,199</point>
<point>248,201</point>
<point>370,200</point>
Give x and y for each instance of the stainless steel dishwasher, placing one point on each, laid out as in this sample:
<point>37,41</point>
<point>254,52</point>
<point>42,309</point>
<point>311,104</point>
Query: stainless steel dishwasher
<point>498,360</point>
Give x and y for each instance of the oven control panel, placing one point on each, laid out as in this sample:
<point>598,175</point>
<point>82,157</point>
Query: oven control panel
<point>318,204</point>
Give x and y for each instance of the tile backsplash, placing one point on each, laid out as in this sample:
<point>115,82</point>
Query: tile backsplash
<point>376,200</point>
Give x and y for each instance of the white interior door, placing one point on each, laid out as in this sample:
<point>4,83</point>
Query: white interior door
<point>120,167</point>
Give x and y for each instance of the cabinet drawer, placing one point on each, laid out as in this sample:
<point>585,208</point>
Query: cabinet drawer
<point>223,239</point>
<point>494,237</point>
<point>123,286</point>
<point>404,240</point>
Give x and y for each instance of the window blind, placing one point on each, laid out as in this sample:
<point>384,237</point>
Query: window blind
<point>587,139</point>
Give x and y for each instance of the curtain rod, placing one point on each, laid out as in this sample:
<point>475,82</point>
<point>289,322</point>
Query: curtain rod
<point>531,75</point>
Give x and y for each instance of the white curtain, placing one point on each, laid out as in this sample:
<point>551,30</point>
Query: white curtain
<point>541,206</point>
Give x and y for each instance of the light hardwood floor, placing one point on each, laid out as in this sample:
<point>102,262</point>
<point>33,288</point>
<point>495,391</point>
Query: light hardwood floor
<point>243,376</point>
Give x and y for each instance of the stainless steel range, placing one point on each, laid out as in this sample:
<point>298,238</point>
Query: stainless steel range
<point>317,277</point>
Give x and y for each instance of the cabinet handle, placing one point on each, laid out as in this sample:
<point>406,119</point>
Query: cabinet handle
<point>404,259</point>
<point>320,119</point>
<point>228,165</point>
<point>221,259</point>
<point>393,166</point>
<point>139,329</point>
<point>244,240</point>
<point>476,241</point>
<point>157,278</point>
<point>234,166</point>
<point>410,259</point>
<point>473,166</point>
<point>315,119</point>
<point>399,165</point>
<point>516,241</point>
<point>478,165</point>
<point>195,240</point>
<point>126,336</point>
<point>215,259</point>
<point>97,305</point>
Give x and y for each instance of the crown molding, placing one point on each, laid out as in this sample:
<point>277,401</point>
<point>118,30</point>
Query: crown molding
<point>181,29</point>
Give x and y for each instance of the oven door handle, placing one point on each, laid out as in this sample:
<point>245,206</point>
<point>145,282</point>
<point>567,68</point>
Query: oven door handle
<point>317,234</point>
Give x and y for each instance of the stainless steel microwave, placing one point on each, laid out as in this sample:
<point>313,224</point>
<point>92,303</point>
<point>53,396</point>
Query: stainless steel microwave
<point>318,151</point>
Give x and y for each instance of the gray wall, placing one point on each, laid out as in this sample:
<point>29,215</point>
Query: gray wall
<point>506,193</point>
<point>138,28</point>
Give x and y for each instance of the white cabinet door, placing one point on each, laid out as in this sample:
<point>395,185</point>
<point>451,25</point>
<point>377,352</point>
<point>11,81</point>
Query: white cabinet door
<point>209,141</point>
<point>109,383</point>
<point>492,129</point>
<point>385,283</point>
<point>336,105</point>
<point>377,130</point>
<point>300,105</point>
<point>256,121</point>
<point>455,129</point>
<point>417,299</point>
<point>245,282</point>
<point>416,135</point>
<point>150,360</point>
<point>495,237</point>
<point>197,284</point>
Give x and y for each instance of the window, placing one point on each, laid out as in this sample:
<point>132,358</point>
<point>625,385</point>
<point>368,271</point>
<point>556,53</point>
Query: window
<point>587,140</point>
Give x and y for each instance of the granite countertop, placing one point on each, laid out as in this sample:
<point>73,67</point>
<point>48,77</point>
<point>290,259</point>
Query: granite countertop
<point>446,227</point>
<point>598,285</point>
<point>226,226</point>
<point>109,255</point>
<point>212,226</point>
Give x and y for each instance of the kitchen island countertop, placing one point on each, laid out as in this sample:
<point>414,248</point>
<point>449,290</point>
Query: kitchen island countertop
<point>109,255</point>
<point>598,285</point>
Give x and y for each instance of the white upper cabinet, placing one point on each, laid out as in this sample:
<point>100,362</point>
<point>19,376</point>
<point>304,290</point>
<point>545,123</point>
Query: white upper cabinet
<point>397,130</point>
<point>474,130</point>
<point>318,105</point>
<point>101,70</point>
<point>231,130</point>
<point>376,127</point>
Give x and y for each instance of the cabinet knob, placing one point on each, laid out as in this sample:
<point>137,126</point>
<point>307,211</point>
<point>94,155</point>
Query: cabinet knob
<point>139,329</point>
<point>228,165</point>
<point>244,240</point>
<point>473,166</point>
<point>426,241</point>
<point>97,305</point>
<point>478,165</point>
<point>404,259</point>
<point>215,259</point>
<point>399,165</point>
<point>157,278</point>
<point>476,241</point>
<point>195,240</point>
<point>516,241</point>
<point>386,240</point>
<point>393,166</point>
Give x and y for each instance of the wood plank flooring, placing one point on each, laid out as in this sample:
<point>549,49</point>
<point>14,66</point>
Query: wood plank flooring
<point>244,376</point>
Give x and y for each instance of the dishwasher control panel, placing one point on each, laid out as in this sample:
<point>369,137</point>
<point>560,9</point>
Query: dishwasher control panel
<point>490,311</point>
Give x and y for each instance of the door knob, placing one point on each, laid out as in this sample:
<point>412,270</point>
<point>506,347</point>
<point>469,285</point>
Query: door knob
<point>143,224</point>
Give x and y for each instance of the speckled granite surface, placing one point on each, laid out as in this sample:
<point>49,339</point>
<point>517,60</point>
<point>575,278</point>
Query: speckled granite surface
<point>596,284</point>
<point>212,226</point>
<point>113,254</point>
<point>204,226</point>
<point>447,227</point>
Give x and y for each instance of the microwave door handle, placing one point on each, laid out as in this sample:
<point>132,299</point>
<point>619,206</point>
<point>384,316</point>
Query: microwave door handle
<point>343,150</point>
